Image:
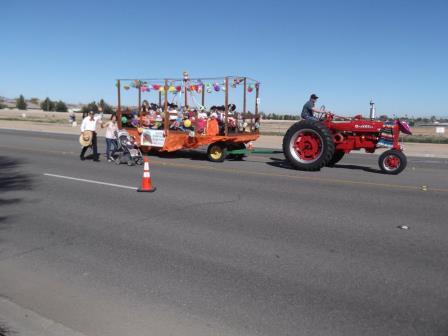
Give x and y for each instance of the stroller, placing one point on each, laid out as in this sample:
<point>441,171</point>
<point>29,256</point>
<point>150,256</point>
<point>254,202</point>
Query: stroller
<point>128,151</point>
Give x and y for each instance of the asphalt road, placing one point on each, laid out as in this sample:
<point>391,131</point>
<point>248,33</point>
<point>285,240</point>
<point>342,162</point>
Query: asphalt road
<point>238,248</point>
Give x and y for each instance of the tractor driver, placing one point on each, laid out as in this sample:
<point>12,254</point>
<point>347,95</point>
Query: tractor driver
<point>309,109</point>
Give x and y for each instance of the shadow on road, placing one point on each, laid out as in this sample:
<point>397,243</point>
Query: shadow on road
<point>281,163</point>
<point>11,179</point>
<point>5,331</point>
<point>182,154</point>
<point>355,167</point>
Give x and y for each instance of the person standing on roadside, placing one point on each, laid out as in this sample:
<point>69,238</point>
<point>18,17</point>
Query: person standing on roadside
<point>88,129</point>
<point>111,136</point>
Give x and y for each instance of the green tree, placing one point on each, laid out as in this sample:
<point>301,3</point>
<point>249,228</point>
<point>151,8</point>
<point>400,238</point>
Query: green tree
<point>90,107</point>
<point>60,106</point>
<point>34,100</point>
<point>47,105</point>
<point>106,108</point>
<point>21,103</point>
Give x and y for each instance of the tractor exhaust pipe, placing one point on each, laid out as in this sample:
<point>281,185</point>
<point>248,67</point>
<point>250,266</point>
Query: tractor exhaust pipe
<point>372,109</point>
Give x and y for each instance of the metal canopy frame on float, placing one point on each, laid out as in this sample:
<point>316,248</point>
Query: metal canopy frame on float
<point>166,81</point>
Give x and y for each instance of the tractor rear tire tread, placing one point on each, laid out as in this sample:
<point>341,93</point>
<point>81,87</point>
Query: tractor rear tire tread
<point>337,156</point>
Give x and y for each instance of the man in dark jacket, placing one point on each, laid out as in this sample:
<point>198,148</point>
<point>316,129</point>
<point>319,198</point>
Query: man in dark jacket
<point>309,109</point>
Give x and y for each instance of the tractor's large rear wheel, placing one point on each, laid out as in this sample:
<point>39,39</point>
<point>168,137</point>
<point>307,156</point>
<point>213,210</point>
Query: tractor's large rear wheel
<point>308,145</point>
<point>337,156</point>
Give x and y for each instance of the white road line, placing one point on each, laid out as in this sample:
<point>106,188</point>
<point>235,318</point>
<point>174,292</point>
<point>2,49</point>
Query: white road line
<point>91,181</point>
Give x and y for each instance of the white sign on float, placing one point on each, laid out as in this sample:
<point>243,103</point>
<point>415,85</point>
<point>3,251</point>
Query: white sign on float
<point>152,138</point>
<point>440,130</point>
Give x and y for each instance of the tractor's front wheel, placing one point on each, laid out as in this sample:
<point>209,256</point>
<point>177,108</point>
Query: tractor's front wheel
<point>308,145</point>
<point>392,162</point>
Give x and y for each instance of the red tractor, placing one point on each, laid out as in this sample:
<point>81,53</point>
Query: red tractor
<point>310,145</point>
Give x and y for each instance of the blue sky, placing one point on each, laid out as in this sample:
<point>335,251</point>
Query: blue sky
<point>344,51</point>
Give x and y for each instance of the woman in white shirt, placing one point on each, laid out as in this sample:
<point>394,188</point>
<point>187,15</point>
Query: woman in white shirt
<point>111,137</point>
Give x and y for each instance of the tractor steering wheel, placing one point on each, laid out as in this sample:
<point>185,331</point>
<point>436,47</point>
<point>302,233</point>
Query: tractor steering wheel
<point>323,115</point>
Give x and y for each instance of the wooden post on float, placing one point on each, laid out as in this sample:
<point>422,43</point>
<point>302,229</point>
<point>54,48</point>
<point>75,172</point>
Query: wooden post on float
<point>257,94</point>
<point>203,95</point>
<point>139,98</point>
<point>244,96</point>
<point>167,116</point>
<point>226,125</point>
<point>186,93</point>
<point>119,104</point>
<point>160,99</point>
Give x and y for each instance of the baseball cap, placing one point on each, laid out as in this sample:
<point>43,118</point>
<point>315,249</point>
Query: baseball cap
<point>313,96</point>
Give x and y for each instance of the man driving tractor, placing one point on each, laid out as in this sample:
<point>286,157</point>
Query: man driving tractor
<point>309,109</point>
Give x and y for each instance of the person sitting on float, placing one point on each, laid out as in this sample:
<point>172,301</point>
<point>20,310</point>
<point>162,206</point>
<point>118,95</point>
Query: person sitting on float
<point>202,122</point>
<point>145,108</point>
<point>212,124</point>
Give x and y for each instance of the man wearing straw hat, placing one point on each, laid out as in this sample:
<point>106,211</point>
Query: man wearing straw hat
<point>88,136</point>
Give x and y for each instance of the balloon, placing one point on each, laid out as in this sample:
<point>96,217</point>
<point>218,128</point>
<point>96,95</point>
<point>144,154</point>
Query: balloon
<point>156,87</point>
<point>216,87</point>
<point>126,87</point>
<point>187,123</point>
<point>250,89</point>
<point>134,122</point>
<point>124,120</point>
<point>171,89</point>
<point>161,89</point>
<point>209,90</point>
<point>178,88</point>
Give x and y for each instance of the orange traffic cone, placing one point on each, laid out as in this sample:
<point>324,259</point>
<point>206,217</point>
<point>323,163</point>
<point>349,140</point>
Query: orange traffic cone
<point>146,179</point>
